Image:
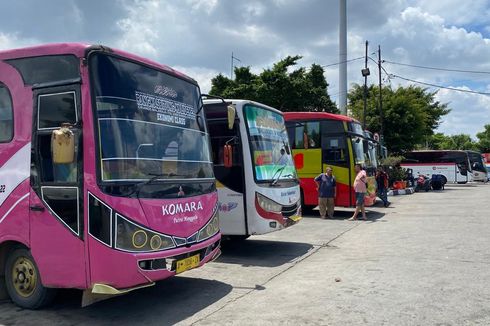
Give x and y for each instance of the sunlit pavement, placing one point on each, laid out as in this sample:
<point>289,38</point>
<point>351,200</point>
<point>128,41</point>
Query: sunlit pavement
<point>422,261</point>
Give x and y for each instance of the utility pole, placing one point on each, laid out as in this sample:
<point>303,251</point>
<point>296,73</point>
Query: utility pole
<point>381,136</point>
<point>365,73</point>
<point>343,57</point>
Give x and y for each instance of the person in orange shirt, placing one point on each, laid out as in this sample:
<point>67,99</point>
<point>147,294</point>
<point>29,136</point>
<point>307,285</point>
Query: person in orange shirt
<point>360,189</point>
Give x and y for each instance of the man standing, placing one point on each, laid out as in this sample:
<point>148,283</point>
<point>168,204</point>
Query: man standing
<point>382,184</point>
<point>327,191</point>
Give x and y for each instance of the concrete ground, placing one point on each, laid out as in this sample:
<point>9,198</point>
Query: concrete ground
<point>422,261</point>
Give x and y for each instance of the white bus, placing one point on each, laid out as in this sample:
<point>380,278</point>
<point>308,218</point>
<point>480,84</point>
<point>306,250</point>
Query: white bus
<point>452,164</point>
<point>258,189</point>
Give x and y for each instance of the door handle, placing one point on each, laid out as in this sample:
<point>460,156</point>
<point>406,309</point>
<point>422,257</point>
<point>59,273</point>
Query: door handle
<point>37,208</point>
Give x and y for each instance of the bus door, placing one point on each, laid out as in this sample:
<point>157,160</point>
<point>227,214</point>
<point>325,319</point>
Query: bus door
<point>335,153</point>
<point>230,181</point>
<point>56,199</point>
<point>307,157</point>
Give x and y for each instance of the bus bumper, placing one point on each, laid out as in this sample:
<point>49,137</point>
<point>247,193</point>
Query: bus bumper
<point>115,272</point>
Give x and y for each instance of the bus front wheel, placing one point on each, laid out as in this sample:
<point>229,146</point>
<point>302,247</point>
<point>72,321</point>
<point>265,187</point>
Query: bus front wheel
<point>23,281</point>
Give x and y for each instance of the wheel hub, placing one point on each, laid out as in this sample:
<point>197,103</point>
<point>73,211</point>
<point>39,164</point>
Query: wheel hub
<point>24,277</point>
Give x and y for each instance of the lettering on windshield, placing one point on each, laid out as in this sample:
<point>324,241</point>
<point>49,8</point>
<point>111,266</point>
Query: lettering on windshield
<point>167,110</point>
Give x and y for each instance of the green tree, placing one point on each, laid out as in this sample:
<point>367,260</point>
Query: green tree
<point>484,139</point>
<point>279,87</point>
<point>411,114</point>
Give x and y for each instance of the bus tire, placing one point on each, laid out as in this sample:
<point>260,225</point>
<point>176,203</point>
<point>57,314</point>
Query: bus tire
<point>23,281</point>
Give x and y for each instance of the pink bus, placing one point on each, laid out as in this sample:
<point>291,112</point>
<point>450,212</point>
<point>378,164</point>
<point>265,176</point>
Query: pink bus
<point>106,179</point>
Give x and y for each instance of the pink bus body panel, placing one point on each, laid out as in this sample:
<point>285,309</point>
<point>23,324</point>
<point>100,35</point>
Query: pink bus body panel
<point>65,260</point>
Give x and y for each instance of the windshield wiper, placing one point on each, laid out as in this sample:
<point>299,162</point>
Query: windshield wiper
<point>279,172</point>
<point>139,185</point>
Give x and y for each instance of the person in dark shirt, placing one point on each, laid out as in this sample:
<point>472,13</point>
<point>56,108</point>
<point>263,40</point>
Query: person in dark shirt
<point>382,183</point>
<point>327,191</point>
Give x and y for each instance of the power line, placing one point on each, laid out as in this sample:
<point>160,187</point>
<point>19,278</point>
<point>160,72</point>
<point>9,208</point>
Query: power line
<point>435,68</point>
<point>440,86</point>
<point>346,61</point>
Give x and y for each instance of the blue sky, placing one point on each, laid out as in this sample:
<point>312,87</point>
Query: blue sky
<point>198,36</point>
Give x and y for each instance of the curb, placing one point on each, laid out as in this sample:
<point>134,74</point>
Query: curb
<point>407,191</point>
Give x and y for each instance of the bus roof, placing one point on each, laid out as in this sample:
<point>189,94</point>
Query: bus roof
<point>240,102</point>
<point>317,116</point>
<point>80,50</point>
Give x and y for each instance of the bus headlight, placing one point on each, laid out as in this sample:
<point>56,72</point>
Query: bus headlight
<point>209,229</point>
<point>268,205</point>
<point>134,238</point>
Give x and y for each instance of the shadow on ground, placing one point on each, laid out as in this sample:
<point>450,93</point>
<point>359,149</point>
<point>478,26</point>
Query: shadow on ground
<point>168,302</point>
<point>262,253</point>
<point>346,213</point>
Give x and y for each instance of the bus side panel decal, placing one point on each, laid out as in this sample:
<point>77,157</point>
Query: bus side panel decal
<point>14,171</point>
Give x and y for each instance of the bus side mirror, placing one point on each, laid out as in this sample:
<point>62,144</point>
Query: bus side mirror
<point>228,156</point>
<point>231,116</point>
<point>63,145</point>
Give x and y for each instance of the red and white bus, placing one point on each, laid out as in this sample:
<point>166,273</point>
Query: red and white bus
<point>453,165</point>
<point>321,139</point>
<point>106,180</point>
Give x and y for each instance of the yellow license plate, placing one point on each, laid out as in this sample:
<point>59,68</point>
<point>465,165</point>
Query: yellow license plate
<point>296,218</point>
<point>187,263</point>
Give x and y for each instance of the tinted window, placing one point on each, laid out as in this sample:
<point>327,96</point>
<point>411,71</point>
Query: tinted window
<point>63,202</point>
<point>47,69</point>
<point>334,149</point>
<point>332,126</point>
<point>6,116</point>
<point>54,109</point>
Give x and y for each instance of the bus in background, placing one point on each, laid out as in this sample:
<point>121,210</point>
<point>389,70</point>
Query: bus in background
<point>479,171</point>
<point>258,188</point>
<point>371,152</point>
<point>454,165</point>
<point>321,139</point>
<point>106,178</point>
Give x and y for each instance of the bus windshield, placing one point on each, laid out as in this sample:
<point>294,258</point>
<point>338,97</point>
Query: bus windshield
<point>269,145</point>
<point>476,161</point>
<point>147,124</point>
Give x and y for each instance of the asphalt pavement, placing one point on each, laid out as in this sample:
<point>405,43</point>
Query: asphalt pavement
<point>422,261</point>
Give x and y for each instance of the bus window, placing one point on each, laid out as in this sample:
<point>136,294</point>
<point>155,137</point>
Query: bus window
<point>299,137</point>
<point>334,150</point>
<point>6,120</point>
<point>312,130</point>
<point>55,109</point>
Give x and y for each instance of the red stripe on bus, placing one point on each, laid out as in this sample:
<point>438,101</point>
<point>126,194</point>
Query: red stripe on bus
<point>431,164</point>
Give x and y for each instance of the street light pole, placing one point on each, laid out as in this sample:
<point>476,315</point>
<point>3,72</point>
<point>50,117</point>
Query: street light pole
<point>365,73</point>
<point>381,136</point>
<point>232,66</point>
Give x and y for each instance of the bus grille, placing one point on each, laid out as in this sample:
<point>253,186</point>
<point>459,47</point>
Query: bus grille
<point>289,210</point>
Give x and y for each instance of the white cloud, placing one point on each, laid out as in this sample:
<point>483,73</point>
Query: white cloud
<point>470,112</point>
<point>203,76</point>
<point>12,41</point>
